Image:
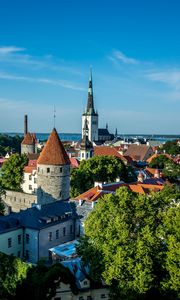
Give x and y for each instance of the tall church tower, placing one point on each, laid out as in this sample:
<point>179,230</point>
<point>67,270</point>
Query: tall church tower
<point>90,116</point>
<point>53,171</point>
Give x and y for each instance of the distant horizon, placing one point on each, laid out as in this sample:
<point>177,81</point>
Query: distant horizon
<point>46,50</point>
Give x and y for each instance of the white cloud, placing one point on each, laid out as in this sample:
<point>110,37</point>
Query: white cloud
<point>170,77</point>
<point>120,56</point>
<point>10,49</point>
<point>57,82</point>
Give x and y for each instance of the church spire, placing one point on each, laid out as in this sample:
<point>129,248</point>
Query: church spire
<point>90,103</point>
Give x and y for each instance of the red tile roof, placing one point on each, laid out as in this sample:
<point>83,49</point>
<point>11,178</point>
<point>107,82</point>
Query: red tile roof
<point>97,192</point>
<point>28,139</point>
<point>137,152</point>
<point>53,152</point>
<point>74,162</point>
<point>105,150</point>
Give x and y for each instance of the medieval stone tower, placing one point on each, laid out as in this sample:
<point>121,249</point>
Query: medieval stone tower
<point>90,115</point>
<point>29,143</point>
<point>53,171</point>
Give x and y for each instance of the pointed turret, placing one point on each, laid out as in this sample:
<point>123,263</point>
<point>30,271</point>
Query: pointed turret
<point>53,152</point>
<point>53,171</point>
<point>90,114</point>
<point>90,103</point>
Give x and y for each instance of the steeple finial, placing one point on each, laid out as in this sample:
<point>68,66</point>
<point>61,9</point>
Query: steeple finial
<point>90,103</point>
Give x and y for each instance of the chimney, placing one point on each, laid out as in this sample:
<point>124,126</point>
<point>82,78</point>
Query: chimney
<point>25,124</point>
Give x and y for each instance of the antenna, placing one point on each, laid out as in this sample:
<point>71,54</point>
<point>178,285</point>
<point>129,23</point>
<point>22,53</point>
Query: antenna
<point>54,116</point>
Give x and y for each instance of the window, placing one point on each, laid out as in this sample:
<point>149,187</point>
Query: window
<point>60,169</point>
<point>71,229</point>
<point>27,238</point>
<point>48,170</point>
<point>50,236</point>
<point>19,254</point>
<point>30,177</point>
<point>103,296</point>
<point>64,231</point>
<point>89,298</point>
<point>19,239</point>
<point>30,187</point>
<point>60,194</point>
<point>38,169</point>
<point>83,155</point>
<point>9,242</point>
<point>35,180</point>
<point>86,155</point>
<point>81,298</point>
<point>57,233</point>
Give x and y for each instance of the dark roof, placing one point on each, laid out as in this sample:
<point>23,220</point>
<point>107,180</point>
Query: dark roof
<point>37,217</point>
<point>103,131</point>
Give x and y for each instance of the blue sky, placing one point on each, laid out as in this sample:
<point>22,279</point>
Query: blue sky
<point>47,48</point>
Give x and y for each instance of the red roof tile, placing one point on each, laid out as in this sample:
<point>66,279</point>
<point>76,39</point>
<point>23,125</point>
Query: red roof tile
<point>28,139</point>
<point>53,152</point>
<point>105,150</point>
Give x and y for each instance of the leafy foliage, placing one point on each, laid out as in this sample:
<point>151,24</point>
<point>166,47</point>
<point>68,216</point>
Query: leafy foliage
<point>11,173</point>
<point>2,207</point>
<point>9,143</point>
<point>171,171</point>
<point>159,161</point>
<point>97,168</point>
<point>12,272</point>
<point>131,242</point>
<point>41,282</point>
<point>171,147</point>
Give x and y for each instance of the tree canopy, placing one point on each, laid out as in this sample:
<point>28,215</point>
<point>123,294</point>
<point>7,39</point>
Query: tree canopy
<point>9,143</point>
<point>12,272</point>
<point>11,173</point>
<point>159,161</point>
<point>41,282</point>
<point>132,241</point>
<point>97,168</point>
<point>2,207</point>
<point>172,147</point>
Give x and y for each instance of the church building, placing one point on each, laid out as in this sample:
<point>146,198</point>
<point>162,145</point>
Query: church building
<point>90,120</point>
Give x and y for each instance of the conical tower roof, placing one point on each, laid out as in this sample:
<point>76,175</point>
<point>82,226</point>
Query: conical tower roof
<point>28,139</point>
<point>53,153</point>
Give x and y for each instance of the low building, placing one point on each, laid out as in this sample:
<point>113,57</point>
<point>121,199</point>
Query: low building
<point>29,184</point>
<point>30,234</point>
<point>139,153</point>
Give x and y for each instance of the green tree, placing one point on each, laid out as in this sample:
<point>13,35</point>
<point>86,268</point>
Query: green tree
<point>2,207</point>
<point>12,272</point>
<point>97,168</point>
<point>171,171</point>
<point>131,243</point>
<point>11,173</point>
<point>159,161</point>
<point>172,147</point>
<point>41,282</point>
<point>9,143</point>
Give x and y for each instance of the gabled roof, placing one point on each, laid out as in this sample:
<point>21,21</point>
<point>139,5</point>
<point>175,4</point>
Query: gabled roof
<point>53,152</point>
<point>28,139</point>
<point>137,152</point>
<point>97,192</point>
<point>105,150</point>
